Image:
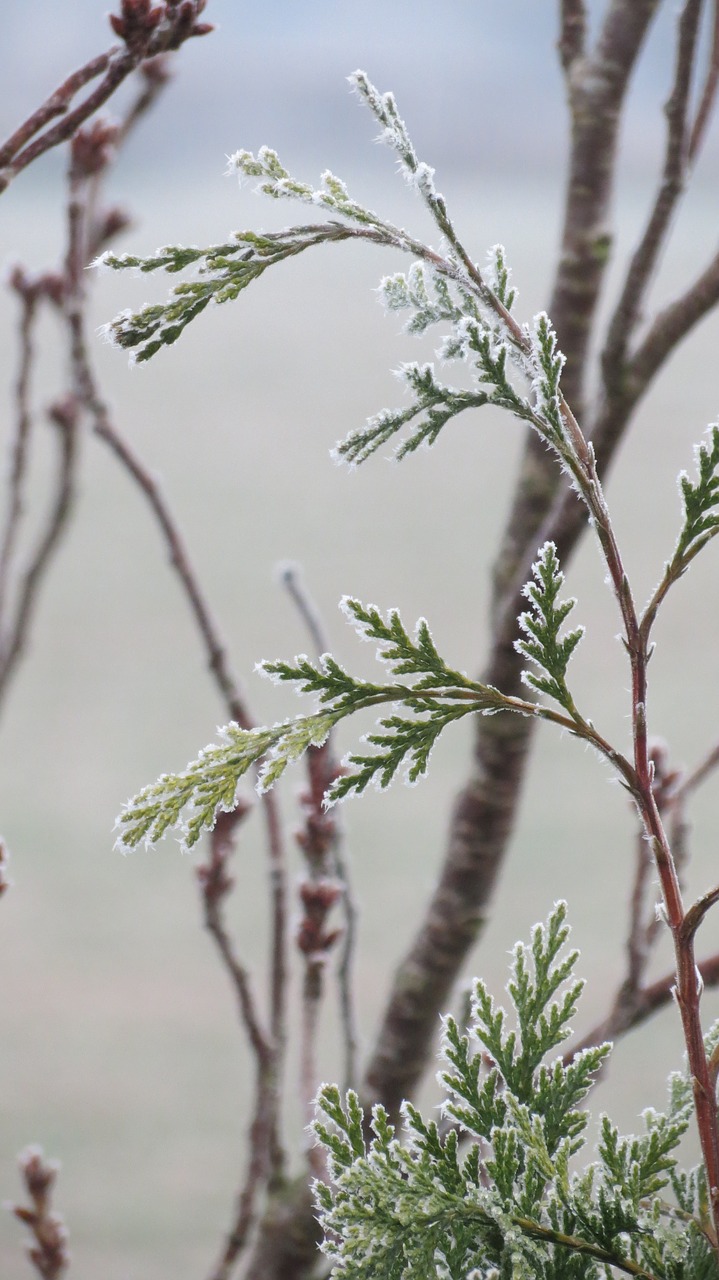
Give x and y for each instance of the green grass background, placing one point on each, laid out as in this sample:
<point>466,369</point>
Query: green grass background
<point>119,1048</point>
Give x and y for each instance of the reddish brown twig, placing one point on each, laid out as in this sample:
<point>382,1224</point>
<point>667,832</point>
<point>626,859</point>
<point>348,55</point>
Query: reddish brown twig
<point>91,151</point>
<point>321,840</point>
<point>27,293</point>
<point>650,1000</point>
<point>47,1247</point>
<point>146,31</point>
<point>63,416</point>
<point>216,883</point>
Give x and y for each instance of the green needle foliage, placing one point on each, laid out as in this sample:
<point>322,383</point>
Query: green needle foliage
<point>490,1192</point>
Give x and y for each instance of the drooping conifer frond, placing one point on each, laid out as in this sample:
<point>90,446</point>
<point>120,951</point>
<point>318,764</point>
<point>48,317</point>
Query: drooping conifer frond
<point>424,695</point>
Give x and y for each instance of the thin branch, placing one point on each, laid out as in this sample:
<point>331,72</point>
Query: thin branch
<point>23,424</point>
<point>292,581</point>
<point>696,913</point>
<point>5,882</point>
<point>573,32</point>
<point>145,35</point>
<point>708,95</point>
<point>698,775</point>
<point>646,255</point>
<point>669,327</point>
<point>322,769</point>
<point>216,883</point>
<point>64,418</point>
<point>649,1001</point>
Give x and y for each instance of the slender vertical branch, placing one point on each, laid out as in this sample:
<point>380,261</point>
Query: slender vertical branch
<point>63,417</point>
<point>5,882</point>
<point>216,883</point>
<point>671,186</point>
<point>688,986</point>
<point>708,95</point>
<point>327,884</point>
<point>23,423</point>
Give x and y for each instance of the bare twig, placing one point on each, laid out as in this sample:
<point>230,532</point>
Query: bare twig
<point>322,842</point>
<point>146,31</point>
<point>670,326</point>
<point>650,999</point>
<point>690,781</point>
<point>706,101</point>
<point>23,423</point>
<point>216,883</point>
<point>291,579</point>
<point>319,890</point>
<point>676,158</point>
<point>63,417</point>
<point>47,1249</point>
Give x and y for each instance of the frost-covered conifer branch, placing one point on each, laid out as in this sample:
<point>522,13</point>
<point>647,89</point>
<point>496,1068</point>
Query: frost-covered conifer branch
<point>512,1201</point>
<point>542,625</point>
<point>437,696</point>
<point>483,331</point>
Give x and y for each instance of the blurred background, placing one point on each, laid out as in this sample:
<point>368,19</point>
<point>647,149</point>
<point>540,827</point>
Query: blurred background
<point>119,1049</point>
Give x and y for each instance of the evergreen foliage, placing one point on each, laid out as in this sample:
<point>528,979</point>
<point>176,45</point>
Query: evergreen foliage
<point>497,1190</point>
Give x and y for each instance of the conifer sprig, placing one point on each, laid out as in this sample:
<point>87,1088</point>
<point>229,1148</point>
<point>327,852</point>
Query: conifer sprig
<point>541,626</point>
<point>700,503</point>
<point>510,1204</point>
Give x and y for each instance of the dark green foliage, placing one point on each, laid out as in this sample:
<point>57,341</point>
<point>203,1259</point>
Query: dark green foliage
<point>493,1195</point>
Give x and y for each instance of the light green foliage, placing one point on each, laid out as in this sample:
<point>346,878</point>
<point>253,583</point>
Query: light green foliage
<point>491,1193</point>
<point>429,693</point>
<point>542,626</point>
